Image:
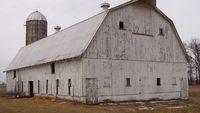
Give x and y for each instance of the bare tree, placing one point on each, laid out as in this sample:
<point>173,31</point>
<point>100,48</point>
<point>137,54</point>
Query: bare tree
<point>194,47</point>
<point>190,66</point>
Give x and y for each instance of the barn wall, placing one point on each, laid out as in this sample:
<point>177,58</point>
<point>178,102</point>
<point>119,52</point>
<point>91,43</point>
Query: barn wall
<point>10,82</point>
<point>111,76</point>
<point>64,70</point>
<point>139,40</point>
<point>137,52</point>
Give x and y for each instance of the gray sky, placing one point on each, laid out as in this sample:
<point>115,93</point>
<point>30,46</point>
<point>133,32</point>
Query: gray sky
<point>184,13</point>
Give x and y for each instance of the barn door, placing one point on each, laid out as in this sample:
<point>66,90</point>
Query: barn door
<point>91,91</point>
<point>184,92</point>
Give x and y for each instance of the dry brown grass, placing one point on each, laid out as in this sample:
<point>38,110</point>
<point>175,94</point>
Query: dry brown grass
<point>46,105</point>
<point>194,91</point>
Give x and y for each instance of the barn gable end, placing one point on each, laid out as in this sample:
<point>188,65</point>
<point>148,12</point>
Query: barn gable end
<point>140,38</point>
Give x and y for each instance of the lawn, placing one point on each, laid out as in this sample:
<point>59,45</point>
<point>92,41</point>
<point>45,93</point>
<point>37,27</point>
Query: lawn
<point>44,105</point>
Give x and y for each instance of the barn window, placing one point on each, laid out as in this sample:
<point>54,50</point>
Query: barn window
<point>57,85</point>
<point>121,25</point>
<point>38,86</point>
<point>128,82</point>
<point>158,82</point>
<point>161,31</point>
<point>174,81</point>
<point>47,86</point>
<point>14,74</point>
<point>52,68</point>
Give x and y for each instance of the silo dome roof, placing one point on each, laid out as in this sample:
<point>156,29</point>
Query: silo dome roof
<point>36,16</point>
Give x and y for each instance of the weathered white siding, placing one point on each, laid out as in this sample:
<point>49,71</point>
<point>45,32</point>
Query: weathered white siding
<point>10,81</point>
<point>137,52</point>
<point>64,70</point>
<point>140,40</point>
<point>112,74</point>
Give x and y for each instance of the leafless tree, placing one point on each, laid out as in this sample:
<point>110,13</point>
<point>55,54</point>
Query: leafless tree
<point>194,52</point>
<point>190,66</point>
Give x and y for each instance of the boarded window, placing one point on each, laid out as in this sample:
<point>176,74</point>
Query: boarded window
<point>121,25</point>
<point>174,81</point>
<point>57,85</point>
<point>161,31</point>
<point>47,86</point>
<point>38,86</point>
<point>107,82</point>
<point>128,82</point>
<point>52,68</point>
<point>14,74</point>
<point>158,82</point>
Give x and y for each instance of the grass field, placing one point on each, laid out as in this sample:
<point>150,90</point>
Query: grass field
<point>43,105</point>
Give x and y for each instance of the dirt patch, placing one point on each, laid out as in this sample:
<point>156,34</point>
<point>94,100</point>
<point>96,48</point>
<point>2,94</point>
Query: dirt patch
<point>148,105</point>
<point>194,94</point>
<point>2,90</point>
<point>194,91</point>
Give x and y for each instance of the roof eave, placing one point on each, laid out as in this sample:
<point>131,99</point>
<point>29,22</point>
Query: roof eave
<point>78,56</point>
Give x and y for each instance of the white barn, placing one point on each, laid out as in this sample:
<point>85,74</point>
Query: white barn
<point>129,52</point>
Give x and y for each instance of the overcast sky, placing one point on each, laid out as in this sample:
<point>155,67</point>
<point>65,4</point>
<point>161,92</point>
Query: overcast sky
<point>184,13</point>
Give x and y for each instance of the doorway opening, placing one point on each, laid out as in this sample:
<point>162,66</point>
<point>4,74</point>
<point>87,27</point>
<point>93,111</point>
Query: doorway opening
<point>69,86</point>
<point>31,88</point>
<point>57,85</point>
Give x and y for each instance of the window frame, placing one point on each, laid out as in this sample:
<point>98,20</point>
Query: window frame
<point>121,25</point>
<point>158,82</point>
<point>128,82</point>
<point>14,74</point>
<point>161,31</point>
<point>53,70</point>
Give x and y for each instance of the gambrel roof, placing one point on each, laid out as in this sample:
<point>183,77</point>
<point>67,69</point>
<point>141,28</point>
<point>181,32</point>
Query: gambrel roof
<point>69,43</point>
